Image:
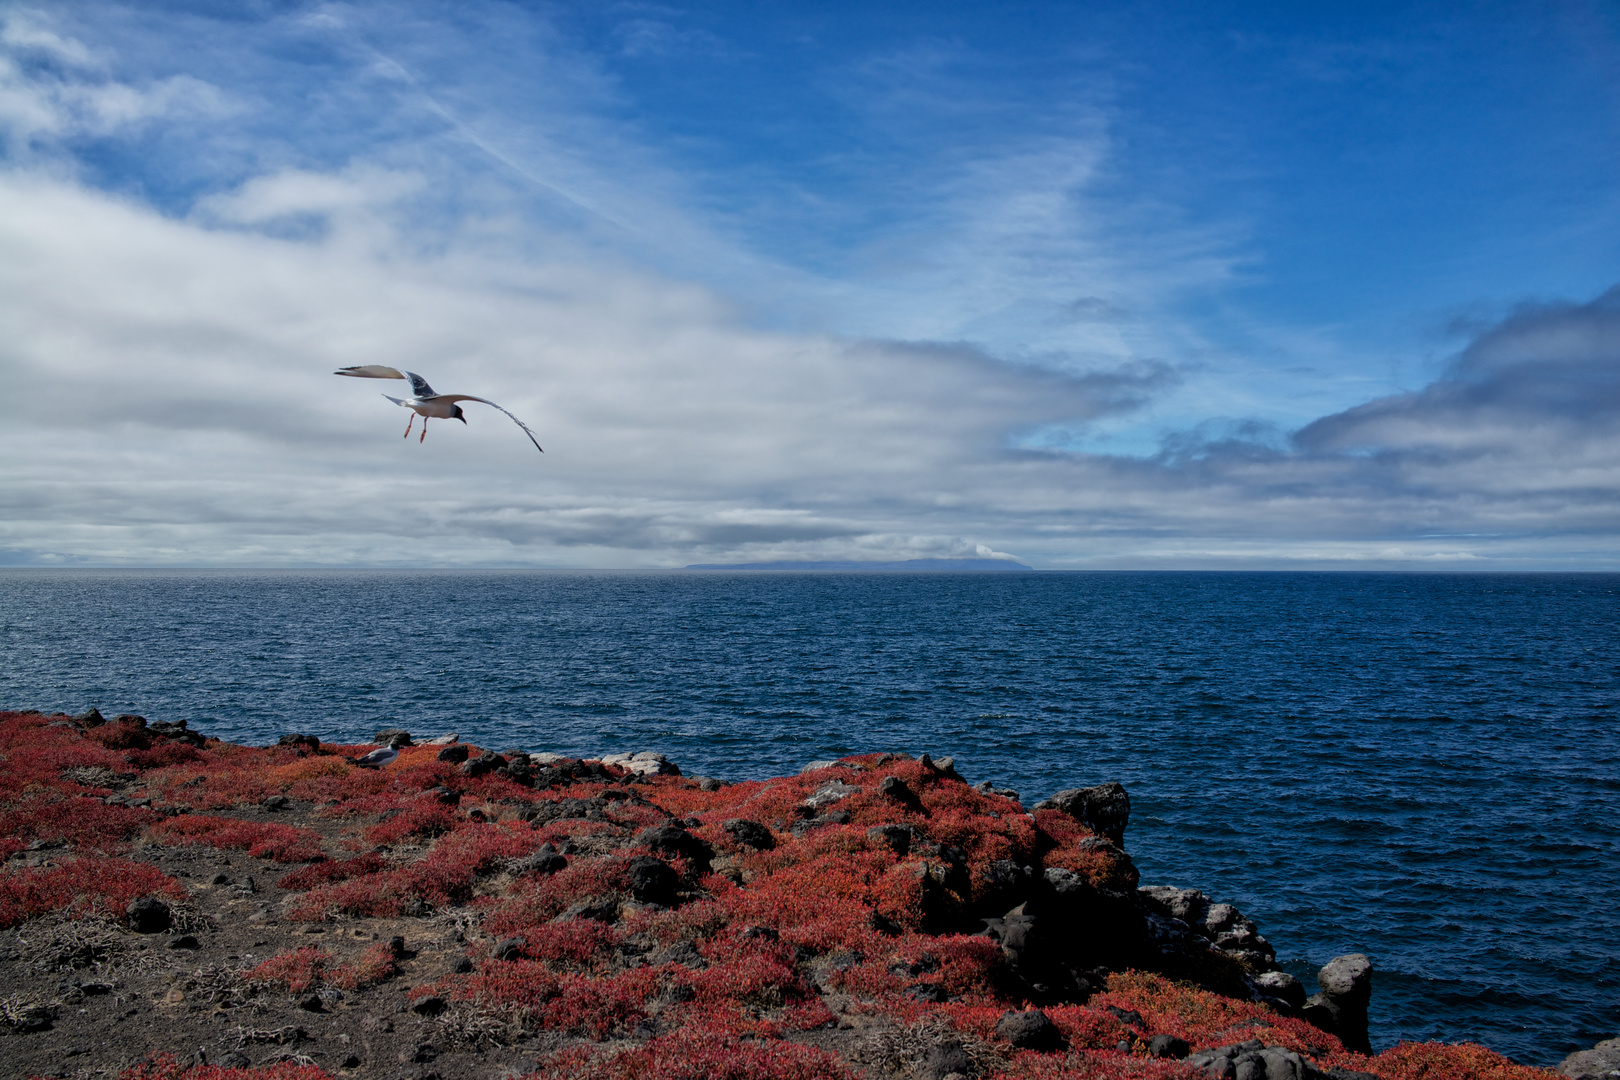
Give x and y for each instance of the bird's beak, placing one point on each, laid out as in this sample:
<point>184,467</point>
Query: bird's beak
<point>463,419</point>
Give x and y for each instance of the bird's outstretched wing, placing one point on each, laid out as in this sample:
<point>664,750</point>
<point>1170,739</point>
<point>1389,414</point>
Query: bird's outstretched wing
<point>419,386</point>
<point>491,404</point>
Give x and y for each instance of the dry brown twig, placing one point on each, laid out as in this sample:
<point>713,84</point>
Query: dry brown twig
<point>902,1050</point>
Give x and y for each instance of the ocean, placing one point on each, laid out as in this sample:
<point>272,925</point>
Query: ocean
<point>1421,767</point>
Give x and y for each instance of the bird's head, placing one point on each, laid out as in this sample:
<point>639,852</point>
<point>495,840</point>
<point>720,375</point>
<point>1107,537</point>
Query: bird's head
<point>457,414</point>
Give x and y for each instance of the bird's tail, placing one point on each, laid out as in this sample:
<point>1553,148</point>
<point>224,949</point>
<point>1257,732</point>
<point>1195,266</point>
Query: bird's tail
<point>395,400</point>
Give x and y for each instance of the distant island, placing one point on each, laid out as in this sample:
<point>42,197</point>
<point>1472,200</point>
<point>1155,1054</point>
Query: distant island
<point>908,565</point>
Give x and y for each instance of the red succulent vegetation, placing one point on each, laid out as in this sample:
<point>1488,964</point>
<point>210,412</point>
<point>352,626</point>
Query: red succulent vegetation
<point>86,885</point>
<point>626,909</point>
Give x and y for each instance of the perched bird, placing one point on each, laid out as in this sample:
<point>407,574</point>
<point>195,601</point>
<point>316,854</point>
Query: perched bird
<point>383,755</point>
<point>424,402</point>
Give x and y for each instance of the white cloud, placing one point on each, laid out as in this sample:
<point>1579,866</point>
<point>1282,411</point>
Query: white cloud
<point>74,95</point>
<point>180,408</point>
<point>300,192</point>
<point>26,31</point>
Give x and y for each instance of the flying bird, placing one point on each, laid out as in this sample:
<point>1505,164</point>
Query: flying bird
<point>380,757</point>
<point>424,402</point>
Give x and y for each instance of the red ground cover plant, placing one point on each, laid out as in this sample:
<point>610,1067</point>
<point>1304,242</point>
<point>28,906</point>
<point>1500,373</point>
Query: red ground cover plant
<point>89,884</point>
<point>294,971</point>
<point>570,944</point>
<point>36,750</point>
<point>121,736</point>
<point>86,823</point>
<point>1432,1061</point>
<point>375,965</point>
<point>426,819</point>
<point>298,970</point>
<point>827,893</point>
<point>1114,1066</point>
<point>443,876</point>
<point>692,1054</point>
<point>261,839</point>
<point>165,1067</point>
<point>165,754</point>
<point>331,870</point>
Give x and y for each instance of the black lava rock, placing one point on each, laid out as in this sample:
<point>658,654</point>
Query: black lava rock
<point>895,788</point>
<point>455,754</point>
<point>885,925</point>
<point>1104,809</point>
<point>676,841</point>
<point>653,881</point>
<point>149,915</point>
<point>1341,1007</point>
<point>1255,1059</point>
<point>897,838</point>
<point>943,1059</point>
<point>1030,1030</point>
<point>751,833</point>
<point>1168,1046</point>
<point>545,861</point>
<point>486,762</point>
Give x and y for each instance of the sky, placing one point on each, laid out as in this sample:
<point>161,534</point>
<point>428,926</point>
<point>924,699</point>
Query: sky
<point>1084,285</point>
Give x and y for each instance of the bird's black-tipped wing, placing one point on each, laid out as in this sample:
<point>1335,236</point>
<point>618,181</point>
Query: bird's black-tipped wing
<point>419,385</point>
<point>491,404</point>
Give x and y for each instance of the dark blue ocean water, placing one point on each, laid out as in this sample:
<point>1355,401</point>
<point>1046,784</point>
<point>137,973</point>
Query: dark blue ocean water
<point>1425,768</point>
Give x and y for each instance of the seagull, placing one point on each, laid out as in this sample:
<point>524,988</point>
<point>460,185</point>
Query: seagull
<point>424,402</point>
<point>383,755</point>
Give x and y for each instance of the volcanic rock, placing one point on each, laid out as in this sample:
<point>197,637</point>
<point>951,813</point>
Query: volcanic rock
<point>653,881</point>
<point>1341,1007</point>
<point>751,833</point>
<point>1104,809</point>
<point>149,915</point>
<point>1602,1062</point>
<point>1031,1029</point>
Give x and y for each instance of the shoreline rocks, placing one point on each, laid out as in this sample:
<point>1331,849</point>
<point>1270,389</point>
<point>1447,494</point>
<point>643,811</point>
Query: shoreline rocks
<point>1602,1062</point>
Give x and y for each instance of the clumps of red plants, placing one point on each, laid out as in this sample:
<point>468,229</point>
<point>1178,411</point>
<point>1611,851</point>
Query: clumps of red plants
<point>312,967</point>
<point>82,885</point>
<point>660,930</point>
<point>695,1054</point>
<point>261,839</point>
<point>166,1067</point>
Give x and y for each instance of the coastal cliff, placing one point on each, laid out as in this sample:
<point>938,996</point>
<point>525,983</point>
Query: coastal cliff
<point>174,906</point>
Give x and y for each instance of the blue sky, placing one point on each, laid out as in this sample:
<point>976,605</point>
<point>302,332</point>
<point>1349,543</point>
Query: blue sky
<point>1083,284</point>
